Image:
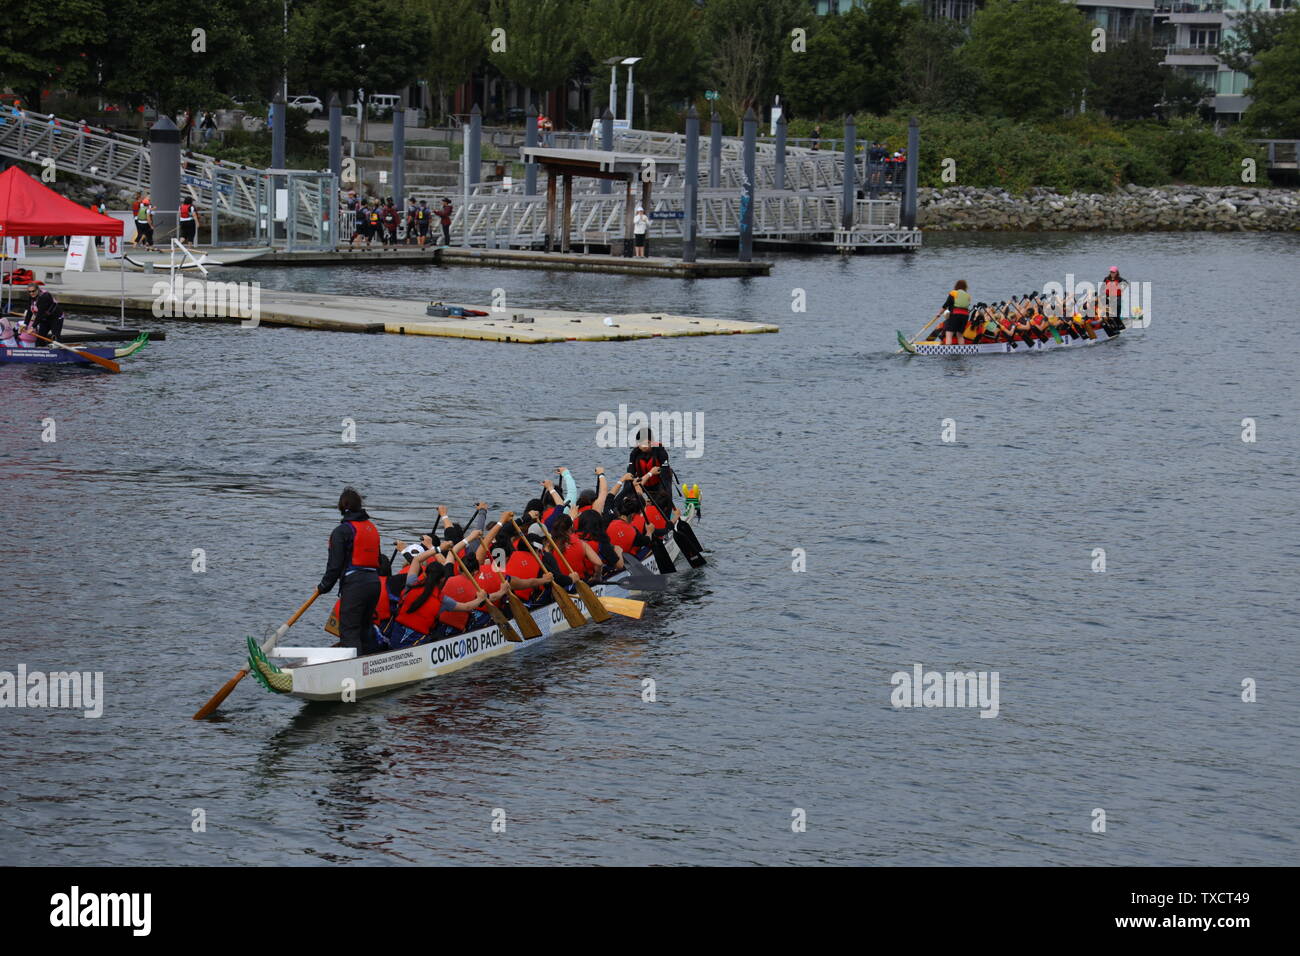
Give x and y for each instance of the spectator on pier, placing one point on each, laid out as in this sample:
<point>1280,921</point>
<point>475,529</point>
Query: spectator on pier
<point>444,217</point>
<point>640,230</point>
<point>412,208</point>
<point>187,221</point>
<point>390,219</point>
<point>817,136</point>
<point>208,126</point>
<point>423,219</point>
<point>143,224</point>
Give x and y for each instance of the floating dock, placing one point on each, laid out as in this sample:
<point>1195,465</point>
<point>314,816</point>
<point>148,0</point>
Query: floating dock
<point>658,266</point>
<point>214,300</point>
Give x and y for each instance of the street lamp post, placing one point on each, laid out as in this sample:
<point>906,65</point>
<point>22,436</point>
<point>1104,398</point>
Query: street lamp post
<point>630,62</point>
<point>613,62</point>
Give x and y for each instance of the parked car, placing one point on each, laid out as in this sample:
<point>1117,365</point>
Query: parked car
<point>311,104</point>
<point>380,102</point>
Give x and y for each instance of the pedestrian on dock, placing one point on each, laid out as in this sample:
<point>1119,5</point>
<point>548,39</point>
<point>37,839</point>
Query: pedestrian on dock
<point>144,224</point>
<point>411,210</point>
<point>390,219</point>
<point>444,217</point>
<point>187,221</point>
<point>817,136</point>
<point>640,230</point>
<point>423,215</point>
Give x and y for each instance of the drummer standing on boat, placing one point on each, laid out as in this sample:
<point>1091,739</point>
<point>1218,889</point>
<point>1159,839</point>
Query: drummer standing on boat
<point>1112,291</point>
<point>957,307</point>
<point>44,312</point>
<point>354,563</point>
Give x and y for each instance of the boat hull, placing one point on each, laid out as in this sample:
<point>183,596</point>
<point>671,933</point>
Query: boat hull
<point>358,677</point>
<point>42,356</point>
<point>1005,348</point>
<point>58,356</point>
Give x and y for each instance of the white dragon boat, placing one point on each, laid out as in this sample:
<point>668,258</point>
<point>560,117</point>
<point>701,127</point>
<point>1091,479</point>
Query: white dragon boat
<point>934,347</point>
<point>338,674</point>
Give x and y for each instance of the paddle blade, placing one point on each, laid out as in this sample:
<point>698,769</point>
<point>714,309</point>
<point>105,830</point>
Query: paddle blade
<point>523,619</point>
<point>662,558</point>
<point>624,606</point>
<point>571,612</point>
<point>503,622</point>
<point>589,598</point>
<point>220,695</point>
<point>643,582</point>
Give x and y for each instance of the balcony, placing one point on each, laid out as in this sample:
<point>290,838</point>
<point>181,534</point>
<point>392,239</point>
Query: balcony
<point>1166,7</point>
<point>1207,49</point>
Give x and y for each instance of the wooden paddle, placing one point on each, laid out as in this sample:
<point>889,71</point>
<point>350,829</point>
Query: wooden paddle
<point>222,694</point>
<point>523,618</point>
<point>628,607</point>
<point>589,598</point>
<point>88,356</point>
<point>925,328</point>
<point>571,612</point>
<point>494,612</point>
<point>662,559</point>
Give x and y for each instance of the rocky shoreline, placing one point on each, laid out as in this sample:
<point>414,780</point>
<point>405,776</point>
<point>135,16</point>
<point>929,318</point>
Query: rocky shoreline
<point>1129,209</point>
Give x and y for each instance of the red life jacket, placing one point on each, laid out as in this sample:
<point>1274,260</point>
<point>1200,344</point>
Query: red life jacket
<point>459,589</point>
<point>365,545</point>
<point>423,618</point>
<point>521,564</point>
<point>643,466</point>
<point>489,579</point>
<point>1111,287</point>
<point>374,219</point>
<point>546,515</point>
<point>384,609</point>
<point>588,569</point>
<point>576,557</point>
<point>621,534</point>
<point>656,517</point>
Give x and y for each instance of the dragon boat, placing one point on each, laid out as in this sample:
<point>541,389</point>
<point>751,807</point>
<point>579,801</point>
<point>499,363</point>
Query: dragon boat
<point>69,355</point>
<point>339,674</point>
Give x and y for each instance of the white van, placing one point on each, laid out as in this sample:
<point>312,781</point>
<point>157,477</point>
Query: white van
<point>385,101</point>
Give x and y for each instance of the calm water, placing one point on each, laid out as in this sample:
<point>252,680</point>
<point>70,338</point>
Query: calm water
<point>1119,690</point>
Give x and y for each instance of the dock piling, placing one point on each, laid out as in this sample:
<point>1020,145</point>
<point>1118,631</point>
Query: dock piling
<point>691,183</point>
<point>913,161</point>
<point>474,148</point>
<point>780,151</point>
<point>165,176</point>
<point>530,140</point>
<point>336,136</point>
<point>607,144</point>
<point>399,157</point>
<point>279,111</point>
<point>849,197</point>
<point>747,199</point>
<point>715,151</point>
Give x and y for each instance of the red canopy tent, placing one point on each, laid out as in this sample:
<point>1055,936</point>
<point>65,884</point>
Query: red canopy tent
<point>28,208</point>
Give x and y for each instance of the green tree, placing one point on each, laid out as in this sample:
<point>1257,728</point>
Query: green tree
<point>542,40</point>
<point>1127,82</point>
<point>459,37</point>
<point>746,41</point>
<point>50,44</point>
<point>1254,30</point>
<point>330,53</point>
<point>1031,57</point>
<point>825,80</point>
<point>665,33</point>
<point>1275,88</point>
<point>934,76</point>
<point>170,68</point>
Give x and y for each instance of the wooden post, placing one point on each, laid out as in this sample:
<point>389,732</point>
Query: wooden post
<point>645,204</point>
<point>550,210</point>
<point>628,211</point>
<point>568,212</point>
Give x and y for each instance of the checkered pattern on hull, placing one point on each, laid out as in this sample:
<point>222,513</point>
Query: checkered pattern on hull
<point>1000,348</point>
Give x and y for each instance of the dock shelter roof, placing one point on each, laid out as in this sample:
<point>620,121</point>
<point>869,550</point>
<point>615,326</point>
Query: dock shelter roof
<point>28,208</point>
<point>596,163</point>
